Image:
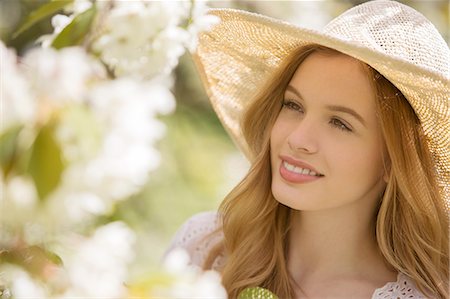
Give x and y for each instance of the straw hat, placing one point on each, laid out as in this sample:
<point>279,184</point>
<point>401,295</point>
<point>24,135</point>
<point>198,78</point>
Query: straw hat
<point>238,55</point>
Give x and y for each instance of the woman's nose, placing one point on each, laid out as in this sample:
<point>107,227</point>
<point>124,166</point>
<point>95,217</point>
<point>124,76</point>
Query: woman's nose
<point>304,136</point>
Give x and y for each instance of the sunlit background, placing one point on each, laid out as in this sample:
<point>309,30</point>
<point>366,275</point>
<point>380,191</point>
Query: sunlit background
<point>198,162</point>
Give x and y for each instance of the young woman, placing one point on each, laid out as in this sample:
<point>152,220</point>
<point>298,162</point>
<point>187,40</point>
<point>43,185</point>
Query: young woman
<point>348,135</point>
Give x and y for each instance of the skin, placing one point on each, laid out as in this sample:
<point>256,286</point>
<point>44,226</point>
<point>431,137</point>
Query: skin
<point>332,242</point>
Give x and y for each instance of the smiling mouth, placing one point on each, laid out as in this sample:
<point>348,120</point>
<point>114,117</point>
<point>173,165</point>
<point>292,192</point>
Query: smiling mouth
<point>299,170</point>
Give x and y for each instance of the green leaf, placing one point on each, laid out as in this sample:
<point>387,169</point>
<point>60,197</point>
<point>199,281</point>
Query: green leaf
<point>46,163</point>
<point>257,293</point>
<point>41,13</point>
<point>74,33</point>
<point>8,148</point>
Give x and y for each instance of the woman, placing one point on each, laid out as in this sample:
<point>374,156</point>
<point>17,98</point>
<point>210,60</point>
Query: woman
<point>348,135</point>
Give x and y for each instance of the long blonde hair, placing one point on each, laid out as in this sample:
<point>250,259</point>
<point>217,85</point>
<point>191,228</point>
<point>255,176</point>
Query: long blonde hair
<point>412,221</point>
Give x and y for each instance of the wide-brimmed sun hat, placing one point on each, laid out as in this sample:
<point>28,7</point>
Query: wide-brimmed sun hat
<point>238,55</point>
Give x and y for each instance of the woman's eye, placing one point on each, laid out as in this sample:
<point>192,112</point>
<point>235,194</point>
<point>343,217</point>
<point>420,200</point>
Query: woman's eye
<point>340,125</point>
<point>292,105</point>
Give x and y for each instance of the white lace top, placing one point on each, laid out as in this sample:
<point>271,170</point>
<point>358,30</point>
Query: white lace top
<point>191,237</point>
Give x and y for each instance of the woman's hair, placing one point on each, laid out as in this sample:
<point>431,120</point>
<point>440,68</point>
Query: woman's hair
<point>412,222</point>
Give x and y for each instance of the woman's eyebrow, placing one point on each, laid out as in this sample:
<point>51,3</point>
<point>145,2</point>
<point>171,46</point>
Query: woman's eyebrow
<point>292,88</point>
<point>333,107</point>
<point>348,111</point>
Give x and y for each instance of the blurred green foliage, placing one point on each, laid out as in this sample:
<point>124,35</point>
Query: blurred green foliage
<point>43,12</point>
<point>46,154</point>
<point>12,14</point>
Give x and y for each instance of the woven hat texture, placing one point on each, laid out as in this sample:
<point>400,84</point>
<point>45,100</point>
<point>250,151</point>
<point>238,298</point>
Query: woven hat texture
<point>238,55</point>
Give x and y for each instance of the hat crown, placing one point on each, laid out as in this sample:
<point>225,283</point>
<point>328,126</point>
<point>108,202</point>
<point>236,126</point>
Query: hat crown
<point>395,30</point>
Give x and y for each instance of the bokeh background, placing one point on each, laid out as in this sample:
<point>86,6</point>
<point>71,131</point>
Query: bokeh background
<point>200,164</point>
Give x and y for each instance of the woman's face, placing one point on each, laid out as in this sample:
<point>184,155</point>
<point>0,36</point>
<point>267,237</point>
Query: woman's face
<point>326,144</point>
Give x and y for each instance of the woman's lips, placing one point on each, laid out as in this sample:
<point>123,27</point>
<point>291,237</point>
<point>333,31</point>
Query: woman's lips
<point>295,171</point>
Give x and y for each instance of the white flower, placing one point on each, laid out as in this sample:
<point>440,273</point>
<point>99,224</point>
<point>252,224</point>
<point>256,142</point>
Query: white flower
<point>21,191</point>
<point>167,49</point>
<point>60,77</point>
<point>59,22</point>
<point>20,284</point>
<point>111,158</point>
<point>176,261</point>
<point>80,205</point>
<point>17,105</point>
<point>18,200</point>
<point>143,38</point>
<point>97,266</point>
<point>188,281</point>
<point>201,22</point>
<point>128,110</point>
<point>73,205</point>
<point>208,285</point>
<point>107,131</point>
<point>79,6</point>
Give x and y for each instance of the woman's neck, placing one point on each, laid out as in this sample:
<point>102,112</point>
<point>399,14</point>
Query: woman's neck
<point>335,244</point>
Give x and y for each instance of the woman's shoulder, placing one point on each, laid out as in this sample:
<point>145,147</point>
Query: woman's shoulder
<point>195,236</point>
<point>403,288</point>
<point>196,228</point>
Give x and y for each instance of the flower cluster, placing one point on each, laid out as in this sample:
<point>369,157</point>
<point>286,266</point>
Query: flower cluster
<point>181,280</point>
<point>140,38</point>
<point>78,133</point>
<point>101,257</point>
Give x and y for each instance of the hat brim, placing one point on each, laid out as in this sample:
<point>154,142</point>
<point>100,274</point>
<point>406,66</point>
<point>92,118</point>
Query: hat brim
<point>239,54</point>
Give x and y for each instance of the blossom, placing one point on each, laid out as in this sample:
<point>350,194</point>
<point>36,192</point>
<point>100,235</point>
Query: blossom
<point>200,22</point>
<point>125,110</point>
<point>143,38</point>
<point>79,6</point>
<point>19,198</point>
<point>102,259</point>
<point>20,283</point>
<point>71,70</point>
<point>16,98</point>
<point>140,38</point>
<point>188,281</point>
<point>103,131</point>
<point>110,148</point>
